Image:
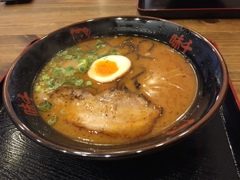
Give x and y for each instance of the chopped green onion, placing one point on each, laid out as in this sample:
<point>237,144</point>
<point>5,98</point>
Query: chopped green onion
<point>69,57</point>
<point>45,77</point>
<point>83,62</point>
<point>37,88</point>
<point>52,120</point>
<point>83,65</point>
<point>82,69</point>
<point>69,71</point>
<point>59,71</point>
<point>44,106</point>
<point>92,56</point>
<point>61,53</point>
<point>113,52</point>
<point>70,68</point>
<point>100,44</point>
<point>54,83</point>
<point>78,82</point>
<point>88,83</point>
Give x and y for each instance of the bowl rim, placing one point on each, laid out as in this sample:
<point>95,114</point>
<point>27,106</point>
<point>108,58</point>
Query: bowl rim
<point>131,152</point>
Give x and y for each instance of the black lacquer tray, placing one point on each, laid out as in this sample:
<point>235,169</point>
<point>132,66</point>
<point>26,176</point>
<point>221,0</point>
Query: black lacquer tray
<point>213,152</point>
<point>189,9</point>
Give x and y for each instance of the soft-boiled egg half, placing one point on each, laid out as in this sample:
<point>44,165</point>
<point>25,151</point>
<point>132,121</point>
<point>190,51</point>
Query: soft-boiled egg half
<point>109,68</point>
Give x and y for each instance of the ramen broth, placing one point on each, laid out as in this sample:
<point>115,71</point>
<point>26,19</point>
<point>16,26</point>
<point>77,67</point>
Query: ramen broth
<point>158,73</point>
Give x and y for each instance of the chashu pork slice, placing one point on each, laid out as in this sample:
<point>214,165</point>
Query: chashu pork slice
<point>113,112</point>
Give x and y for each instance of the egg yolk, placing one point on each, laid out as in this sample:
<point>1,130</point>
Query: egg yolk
<point>105,68</point>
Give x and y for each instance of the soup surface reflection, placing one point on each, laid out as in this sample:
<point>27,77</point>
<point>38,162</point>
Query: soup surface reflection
<point>156,87</point>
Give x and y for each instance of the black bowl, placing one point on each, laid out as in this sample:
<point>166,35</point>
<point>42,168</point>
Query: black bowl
<point>207,61</point>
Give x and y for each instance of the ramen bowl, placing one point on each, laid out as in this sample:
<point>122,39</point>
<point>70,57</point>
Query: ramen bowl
<point>210,68</point>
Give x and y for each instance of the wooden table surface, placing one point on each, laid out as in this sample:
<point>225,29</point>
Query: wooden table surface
<point>21,23</point>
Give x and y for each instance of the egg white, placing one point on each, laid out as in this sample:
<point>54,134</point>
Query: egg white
<point>122,62</point>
